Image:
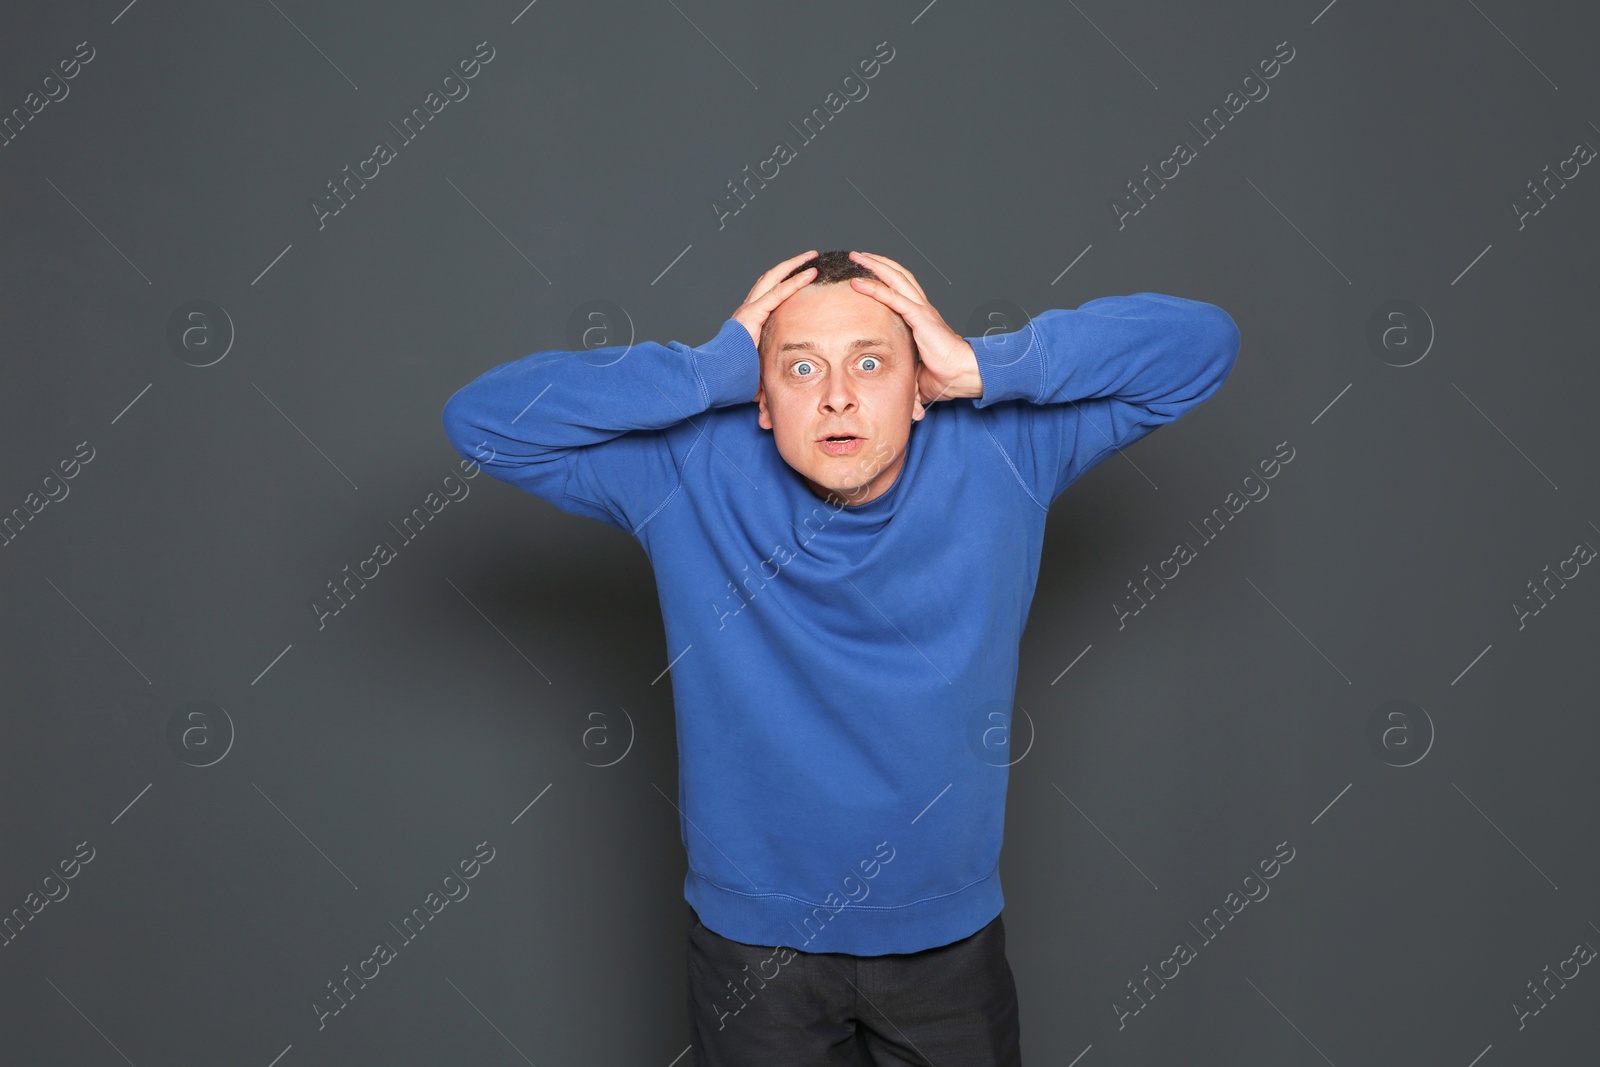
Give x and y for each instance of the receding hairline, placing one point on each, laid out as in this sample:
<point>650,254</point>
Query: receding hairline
<point>860,342</point>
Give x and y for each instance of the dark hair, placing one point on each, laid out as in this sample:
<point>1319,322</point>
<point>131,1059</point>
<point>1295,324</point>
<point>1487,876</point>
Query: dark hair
<point>833,267</point>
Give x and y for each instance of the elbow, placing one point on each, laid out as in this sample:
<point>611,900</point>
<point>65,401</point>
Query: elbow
<point>1211,349</point>
<point>1223,344</point>
<point>452,420</point>
<point>1209,337</point>
<point>459,427</point>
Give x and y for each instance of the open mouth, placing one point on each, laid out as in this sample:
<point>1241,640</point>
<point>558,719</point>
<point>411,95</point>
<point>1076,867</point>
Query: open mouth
<point>840,444</point>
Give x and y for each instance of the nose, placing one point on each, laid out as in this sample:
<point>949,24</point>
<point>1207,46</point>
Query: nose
<point>839,397</point>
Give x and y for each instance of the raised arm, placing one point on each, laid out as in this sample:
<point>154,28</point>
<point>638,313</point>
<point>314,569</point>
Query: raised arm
<point>1063,392</point>
<point>592,432</point>
<point>1090,381</point>
<point>586,431</point>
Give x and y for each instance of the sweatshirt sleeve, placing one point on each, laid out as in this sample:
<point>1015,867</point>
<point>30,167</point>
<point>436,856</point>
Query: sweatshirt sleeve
<point>600,433</point>
<point>1072,386</point>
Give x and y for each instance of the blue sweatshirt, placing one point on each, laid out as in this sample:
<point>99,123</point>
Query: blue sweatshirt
<point>843,676</point>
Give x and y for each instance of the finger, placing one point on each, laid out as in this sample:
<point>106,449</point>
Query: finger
<point>901,304</point>
<point>772,275</point>
<point>881,258</point>
<point>899,280</point>
<point>911,279</point>
<point>890,284</point>
<point>789,264</point>
<point>888,266</point>
<point>783,290</point>
<point>880,263</point>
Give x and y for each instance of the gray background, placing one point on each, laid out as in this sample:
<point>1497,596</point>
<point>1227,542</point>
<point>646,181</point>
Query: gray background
<point>348,767</point>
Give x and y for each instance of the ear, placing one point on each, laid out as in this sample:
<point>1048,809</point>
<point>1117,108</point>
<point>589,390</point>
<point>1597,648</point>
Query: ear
<point>764,418</point>
<point>917,410</point>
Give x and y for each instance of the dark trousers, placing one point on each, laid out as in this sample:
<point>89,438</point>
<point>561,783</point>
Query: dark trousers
<point>950,1006</point>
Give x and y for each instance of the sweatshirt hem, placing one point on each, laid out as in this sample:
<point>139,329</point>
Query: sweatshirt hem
<point>780,920</point>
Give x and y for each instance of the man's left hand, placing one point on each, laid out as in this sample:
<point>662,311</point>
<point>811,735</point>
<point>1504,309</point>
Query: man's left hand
<point>949,365</point>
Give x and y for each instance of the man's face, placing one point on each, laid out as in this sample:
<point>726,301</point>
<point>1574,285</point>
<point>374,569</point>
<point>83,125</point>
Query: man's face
<point>838,362</point>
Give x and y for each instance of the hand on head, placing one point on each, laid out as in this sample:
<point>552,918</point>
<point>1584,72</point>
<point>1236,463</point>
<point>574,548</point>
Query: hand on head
<point>949,365</point>
<point>770,290</point>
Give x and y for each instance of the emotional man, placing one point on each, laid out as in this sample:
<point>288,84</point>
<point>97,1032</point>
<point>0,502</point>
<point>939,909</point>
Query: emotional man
<point>845,572</point>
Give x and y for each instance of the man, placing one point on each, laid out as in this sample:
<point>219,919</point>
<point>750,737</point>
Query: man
<point>844,576</point>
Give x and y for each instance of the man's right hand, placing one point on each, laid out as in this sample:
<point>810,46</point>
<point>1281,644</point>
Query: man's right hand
<point>769,292</point>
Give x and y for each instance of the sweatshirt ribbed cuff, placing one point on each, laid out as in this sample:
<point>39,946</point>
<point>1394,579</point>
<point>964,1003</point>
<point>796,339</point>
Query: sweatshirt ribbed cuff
<point>1012,365</point>
<point>728,366</point>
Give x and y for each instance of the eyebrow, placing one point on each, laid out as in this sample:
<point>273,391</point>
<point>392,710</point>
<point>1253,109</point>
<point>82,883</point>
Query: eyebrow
<point>860,342</point>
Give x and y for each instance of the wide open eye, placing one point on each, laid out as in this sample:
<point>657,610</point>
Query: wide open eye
<point>800,364</point>
<point>870,362</point>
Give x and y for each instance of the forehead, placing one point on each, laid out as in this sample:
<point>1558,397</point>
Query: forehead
<point>831,317</point>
